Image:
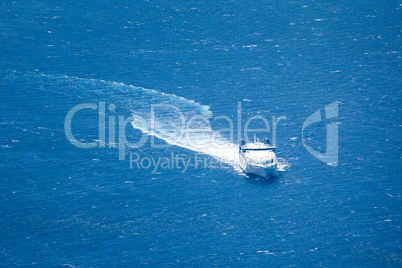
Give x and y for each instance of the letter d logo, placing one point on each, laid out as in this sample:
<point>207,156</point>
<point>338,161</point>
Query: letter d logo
<point>331,154</point>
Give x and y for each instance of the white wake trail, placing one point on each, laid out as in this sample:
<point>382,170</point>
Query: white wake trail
<point>173,119</point>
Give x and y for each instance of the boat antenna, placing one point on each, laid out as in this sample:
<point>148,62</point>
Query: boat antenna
<point>254,138</point>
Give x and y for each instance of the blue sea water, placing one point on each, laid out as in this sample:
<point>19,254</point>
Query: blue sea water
<point>64,206</point>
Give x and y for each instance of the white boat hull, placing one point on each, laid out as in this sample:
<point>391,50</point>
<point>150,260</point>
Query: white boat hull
<point>258,170</point>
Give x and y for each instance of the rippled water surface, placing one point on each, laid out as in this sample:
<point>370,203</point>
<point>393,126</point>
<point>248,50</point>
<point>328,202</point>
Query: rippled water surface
<point>75,207</point>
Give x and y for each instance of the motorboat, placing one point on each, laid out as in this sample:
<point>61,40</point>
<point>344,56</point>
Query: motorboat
<point>257,158</point>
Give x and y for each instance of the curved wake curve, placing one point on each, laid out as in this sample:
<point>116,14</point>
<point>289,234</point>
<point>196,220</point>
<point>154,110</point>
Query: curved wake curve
<point>173,119</point>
